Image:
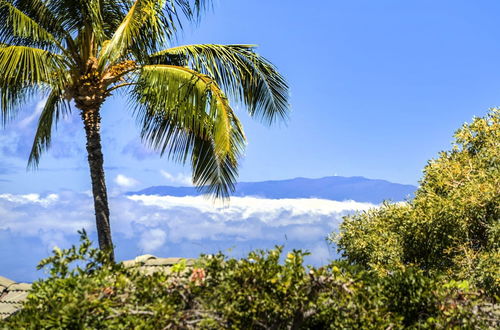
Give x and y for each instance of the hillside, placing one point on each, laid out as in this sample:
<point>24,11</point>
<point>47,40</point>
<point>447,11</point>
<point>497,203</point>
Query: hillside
<point>333,188</point>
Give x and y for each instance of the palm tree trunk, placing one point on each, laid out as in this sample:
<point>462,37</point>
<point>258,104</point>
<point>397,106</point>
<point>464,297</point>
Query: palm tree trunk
<point>92,123</point>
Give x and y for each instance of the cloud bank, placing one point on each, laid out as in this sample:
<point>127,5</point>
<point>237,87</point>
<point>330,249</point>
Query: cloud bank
<point>31,225</point>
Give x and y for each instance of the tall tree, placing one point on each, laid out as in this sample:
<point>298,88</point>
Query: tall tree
<point>78,52</point>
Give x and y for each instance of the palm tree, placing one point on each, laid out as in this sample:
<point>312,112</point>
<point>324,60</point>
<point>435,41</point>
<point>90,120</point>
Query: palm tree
<point>78,52</point>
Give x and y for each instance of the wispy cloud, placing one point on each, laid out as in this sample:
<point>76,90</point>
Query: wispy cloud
<point>7,168</point>
<point>138,150</point>
<point>30,199</point>
<point>27,121</point>
<point>152,239</point>
<point>180,178</point>
<point>125,181</point>
<point>17,137</point>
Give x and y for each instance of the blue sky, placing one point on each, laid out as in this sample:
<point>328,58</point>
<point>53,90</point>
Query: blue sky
<point>377,89</point>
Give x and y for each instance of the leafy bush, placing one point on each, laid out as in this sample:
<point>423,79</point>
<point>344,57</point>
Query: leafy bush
<point>452,224</point>
<point>85,290</point>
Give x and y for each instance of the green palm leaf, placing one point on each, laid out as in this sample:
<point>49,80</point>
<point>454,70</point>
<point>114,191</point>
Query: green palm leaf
<point>24,71</point>
<point>212,175</point>
<point>178,109</point>
<point>147,27</point>
<point>17,28</point>
<point>241,73</point>
<point>30,66</point>
<point>54,108</point>
<point>40,12</point>
<point>76,15</point>
<point>142,27</point>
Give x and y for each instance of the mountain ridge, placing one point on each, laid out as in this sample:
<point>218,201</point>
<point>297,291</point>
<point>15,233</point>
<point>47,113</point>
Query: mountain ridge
<point>337,188</point>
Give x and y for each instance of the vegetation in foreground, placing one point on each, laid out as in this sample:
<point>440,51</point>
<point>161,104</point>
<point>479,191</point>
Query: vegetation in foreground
<point>452,226</point>
<point>432,262</point>
<point>258,292</point>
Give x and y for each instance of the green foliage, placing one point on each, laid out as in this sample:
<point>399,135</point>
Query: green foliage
<point>361,299</point>
<point>203,113</point>
<point>258,292</point>
<point>411,294</point>
<point>54,108</point>
<point>452,224</point>
<point>266,290</point>
<point>232,67</point>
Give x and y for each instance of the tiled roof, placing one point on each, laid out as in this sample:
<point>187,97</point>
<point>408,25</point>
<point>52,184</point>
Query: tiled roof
<point>150,264</point>
<point>13,294</point>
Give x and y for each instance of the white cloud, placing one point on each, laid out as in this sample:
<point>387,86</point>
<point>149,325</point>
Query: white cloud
<point>125,181</point>
<point>252,207</point>
<point>32,214</point>
<point>17,138</point>
<point>36,113</point>
<point>181,218</point>
<point>170,226</point>
<point>30,198</point>
<point>180,178</point>
<point>152,239</point>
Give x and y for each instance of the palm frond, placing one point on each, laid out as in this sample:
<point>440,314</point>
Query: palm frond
<point>24,71</point>
<point>12,98</point>
<point>41,11</point>
<point>30,66</point>
<point>91,11</point>
<point>113,13</point>
<point>190,9</point>
<point>142,27</point>
<point>148,26</point>
<point>17,28</point>
<point>184,113</point>
<point>54,108</point>
<point>212,175</point>
<point>244,75</point>
<point>74,15</point>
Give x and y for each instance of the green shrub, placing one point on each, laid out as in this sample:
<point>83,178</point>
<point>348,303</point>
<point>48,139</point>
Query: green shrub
<point>452,224</point>
<point>263,291</point>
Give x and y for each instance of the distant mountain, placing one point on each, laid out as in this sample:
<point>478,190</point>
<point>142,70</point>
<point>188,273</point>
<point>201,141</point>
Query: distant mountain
<point>334,188</point>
